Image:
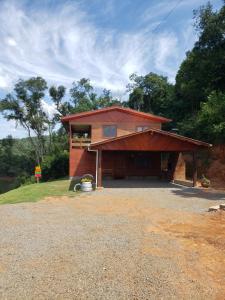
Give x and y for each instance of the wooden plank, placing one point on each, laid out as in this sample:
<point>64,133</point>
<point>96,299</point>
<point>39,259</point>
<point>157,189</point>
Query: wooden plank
<point>149,141</point>
<point>101,113</point>
<point>195,175</point>
<point>99,183</point>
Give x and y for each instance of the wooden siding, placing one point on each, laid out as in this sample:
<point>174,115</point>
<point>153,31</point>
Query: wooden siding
<point>122,129</point>
<point>119,164</point>
<point>125,123</point>
<point>148,141</point>
<point>81,162</point>
<point>113,108</point>
<point>116,164</point>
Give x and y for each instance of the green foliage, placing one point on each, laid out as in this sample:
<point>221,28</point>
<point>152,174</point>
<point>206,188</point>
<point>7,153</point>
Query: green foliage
<point>83,97</point>
<point>24,106</point>
<point>105,100</point>
<point>150,93</point>
<point>196,104</point>
<point>203,69</point>
<point>15,157</point>
<point>209,122</point>
<point>55,166</point>
<point>7,184</point>
<point>17,161</point>
<point>211,118</point>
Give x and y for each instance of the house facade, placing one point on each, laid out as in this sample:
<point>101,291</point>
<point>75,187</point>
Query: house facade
<point>119,142</point>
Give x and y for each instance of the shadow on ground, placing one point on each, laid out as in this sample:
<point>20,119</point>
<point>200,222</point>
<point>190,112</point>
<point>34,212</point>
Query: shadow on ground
<point>178,190</point>
<point>136,183</point>
<point>199,193</point>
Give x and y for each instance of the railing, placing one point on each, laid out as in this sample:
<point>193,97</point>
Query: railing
<point>80,142</point>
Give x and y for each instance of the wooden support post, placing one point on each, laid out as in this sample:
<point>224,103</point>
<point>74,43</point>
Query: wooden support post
<point>70,135</point>
<point>99,183</point>
<point>194,169</point>
<point>172,162</point>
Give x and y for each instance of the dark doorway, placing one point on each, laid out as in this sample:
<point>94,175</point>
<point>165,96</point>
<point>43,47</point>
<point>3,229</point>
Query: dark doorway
<point>125,164</point>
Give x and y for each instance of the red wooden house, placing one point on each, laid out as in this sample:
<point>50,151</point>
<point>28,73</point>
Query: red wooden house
<point>120,142</point>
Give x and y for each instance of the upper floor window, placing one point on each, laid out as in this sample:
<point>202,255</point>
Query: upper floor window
<point>141,128</point>
<point>109,130</point>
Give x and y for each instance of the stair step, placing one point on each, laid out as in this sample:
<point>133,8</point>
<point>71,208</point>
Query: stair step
<point>222,206</point>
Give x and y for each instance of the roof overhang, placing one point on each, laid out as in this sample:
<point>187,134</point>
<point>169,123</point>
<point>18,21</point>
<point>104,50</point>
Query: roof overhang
<point>148,116</point>
<point>150,140</point>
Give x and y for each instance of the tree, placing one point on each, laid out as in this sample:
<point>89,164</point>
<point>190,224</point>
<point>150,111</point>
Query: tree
<point>25,107</point>
<point>211,118</point>
<point>150,93</point>
<point>57,94</point>
<point>62,108</point>
<point>82,95</point>
<point>6,155</point>
<point>105,100</point>
<point>203,69</point>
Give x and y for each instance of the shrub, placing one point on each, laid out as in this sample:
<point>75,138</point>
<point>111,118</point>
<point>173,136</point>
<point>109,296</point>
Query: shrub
<point>55,166</point>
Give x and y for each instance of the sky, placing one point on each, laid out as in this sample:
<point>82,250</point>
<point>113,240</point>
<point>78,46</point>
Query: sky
<point>103,40</point>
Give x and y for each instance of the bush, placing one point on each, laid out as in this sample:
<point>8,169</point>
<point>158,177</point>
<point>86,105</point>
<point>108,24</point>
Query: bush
<point>55,166</point>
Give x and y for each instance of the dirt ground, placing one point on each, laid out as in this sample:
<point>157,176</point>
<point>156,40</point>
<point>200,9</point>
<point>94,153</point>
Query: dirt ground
<point>151,241</point>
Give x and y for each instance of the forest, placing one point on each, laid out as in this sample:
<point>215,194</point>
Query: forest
<point>195,103</point>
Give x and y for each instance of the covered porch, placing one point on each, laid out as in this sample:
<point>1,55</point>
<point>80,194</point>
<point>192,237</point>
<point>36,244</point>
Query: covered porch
<point>143,167</point>
<point>142,155</point>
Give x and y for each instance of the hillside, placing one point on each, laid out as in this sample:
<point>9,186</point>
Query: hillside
<point>36,192</point>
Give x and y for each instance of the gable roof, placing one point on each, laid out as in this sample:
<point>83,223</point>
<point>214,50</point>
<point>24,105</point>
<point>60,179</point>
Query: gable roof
<point>153,143</point>
<point>116,108</point>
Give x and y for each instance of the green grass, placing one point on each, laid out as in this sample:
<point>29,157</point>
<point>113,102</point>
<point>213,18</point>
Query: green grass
<point>36,192</point>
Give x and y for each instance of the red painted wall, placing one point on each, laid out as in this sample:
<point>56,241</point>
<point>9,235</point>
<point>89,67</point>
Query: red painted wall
<point>149,141</point>
<point>125,123</point>
<point>129,163</point>
<point>113,117</point>
<point>117,162</point>
<point>82,162</point>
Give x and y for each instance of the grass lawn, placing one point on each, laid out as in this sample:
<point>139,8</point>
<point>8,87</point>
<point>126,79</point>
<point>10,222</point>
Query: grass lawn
<point>36,192</point>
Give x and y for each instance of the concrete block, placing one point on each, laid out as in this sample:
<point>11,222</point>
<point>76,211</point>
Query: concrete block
<point>214,208</point>
<point>222,206</point>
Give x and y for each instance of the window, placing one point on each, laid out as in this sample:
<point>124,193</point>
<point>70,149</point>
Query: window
<point>141,128</point>
<point>109,130</point>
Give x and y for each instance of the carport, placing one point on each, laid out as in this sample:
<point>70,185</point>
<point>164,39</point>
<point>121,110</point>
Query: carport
<point>140,154</point>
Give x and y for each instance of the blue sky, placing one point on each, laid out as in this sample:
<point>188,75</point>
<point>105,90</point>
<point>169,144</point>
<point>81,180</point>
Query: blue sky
<point>104,40</point>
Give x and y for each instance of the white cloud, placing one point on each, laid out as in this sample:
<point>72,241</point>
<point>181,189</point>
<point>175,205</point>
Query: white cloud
<point>49,109</point>
<point>62,46</point>
<point>11,128</point>
<point>16,130</point>
<point>10,41</point>
<point>5,79</point>
<point>164,8</point>
<point>165,58</point>
<point>3,82</point>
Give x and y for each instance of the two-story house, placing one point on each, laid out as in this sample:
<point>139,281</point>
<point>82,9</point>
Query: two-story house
<point>119,142</point>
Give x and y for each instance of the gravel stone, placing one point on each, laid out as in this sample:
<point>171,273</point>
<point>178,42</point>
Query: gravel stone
<point>115,243</point>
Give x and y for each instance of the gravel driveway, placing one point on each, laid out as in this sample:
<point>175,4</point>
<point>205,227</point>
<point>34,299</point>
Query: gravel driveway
<point>154,241</point>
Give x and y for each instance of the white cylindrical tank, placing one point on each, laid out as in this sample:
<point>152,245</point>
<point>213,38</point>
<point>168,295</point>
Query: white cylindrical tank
<point>86,186</point>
